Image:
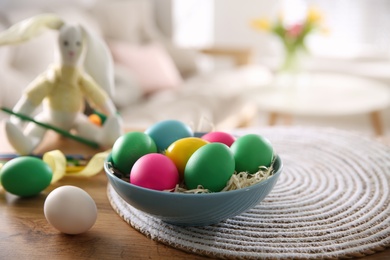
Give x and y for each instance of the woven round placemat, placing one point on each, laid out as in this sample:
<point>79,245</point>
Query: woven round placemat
<point>332,200</point>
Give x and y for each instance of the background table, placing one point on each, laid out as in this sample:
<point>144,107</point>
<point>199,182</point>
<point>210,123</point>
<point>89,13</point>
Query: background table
<point>25,233</point>
<point>323,94</point>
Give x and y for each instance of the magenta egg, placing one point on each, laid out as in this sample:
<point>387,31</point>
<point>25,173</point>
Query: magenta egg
<point>219,137</point>
<point>154,171</point>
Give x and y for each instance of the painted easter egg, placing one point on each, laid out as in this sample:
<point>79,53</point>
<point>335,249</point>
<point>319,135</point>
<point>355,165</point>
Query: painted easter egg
<point>251,151</point>
<point>219,137</point>
<point>154,171</point>
<point>129,147</point>
<point>211,166</point>
<point>181,150</point>
<point>164,133</point>
<point>25,176</point>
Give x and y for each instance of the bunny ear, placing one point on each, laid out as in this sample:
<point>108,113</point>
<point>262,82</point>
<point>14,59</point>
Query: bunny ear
<point>98,62</point>
<point>29,28</point>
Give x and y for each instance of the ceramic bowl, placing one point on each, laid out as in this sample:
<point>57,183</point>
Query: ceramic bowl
<point>193,209</point>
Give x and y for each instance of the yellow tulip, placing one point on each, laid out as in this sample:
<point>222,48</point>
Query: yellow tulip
<point>261,24</point>
<point>314,15</point>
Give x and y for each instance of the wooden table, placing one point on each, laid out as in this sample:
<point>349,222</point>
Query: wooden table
<point>25,233</point>
<point>323,94</point>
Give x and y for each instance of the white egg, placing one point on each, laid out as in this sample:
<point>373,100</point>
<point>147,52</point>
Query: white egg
<point>70,210</point>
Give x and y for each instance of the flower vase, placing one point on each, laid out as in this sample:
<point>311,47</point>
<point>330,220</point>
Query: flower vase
<point>292,61</point>
<point>291,67</point>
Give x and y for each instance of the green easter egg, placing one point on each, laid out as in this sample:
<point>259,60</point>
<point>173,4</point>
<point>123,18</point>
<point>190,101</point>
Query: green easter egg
<point>251,151</point>
<point>25,176</point>
<point>211,166</point>
<point>129,147</point>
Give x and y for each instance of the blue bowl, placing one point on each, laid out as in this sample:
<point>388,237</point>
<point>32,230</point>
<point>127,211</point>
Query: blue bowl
<point>193,209</point>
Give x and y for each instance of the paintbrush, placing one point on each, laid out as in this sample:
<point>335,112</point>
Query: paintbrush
<point>51,127</point>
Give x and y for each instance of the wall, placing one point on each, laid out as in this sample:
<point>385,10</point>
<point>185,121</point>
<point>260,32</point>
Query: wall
<point>232,23</point>
<point>201,23</point>
<point>189,23</point>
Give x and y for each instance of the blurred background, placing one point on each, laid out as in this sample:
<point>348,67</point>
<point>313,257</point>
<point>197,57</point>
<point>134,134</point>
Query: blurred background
<point>219,63</point>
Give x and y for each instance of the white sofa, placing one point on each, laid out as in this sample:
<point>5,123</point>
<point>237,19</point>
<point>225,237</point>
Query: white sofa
<point>204,99</point>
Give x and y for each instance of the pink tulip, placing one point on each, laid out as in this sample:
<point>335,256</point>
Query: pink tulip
<point>295,30</point>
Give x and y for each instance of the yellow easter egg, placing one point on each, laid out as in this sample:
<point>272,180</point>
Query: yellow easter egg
<point>181,150</point>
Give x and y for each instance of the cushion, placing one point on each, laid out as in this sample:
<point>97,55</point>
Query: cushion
<point>135,22</point>
<point>127,90</point>
<point>150,64</point>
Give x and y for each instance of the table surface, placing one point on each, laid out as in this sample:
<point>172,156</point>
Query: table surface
<point>25,233</point>
<point>327,94</point>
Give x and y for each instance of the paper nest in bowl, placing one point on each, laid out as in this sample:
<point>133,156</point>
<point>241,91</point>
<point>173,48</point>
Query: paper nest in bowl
<point>238,180</point>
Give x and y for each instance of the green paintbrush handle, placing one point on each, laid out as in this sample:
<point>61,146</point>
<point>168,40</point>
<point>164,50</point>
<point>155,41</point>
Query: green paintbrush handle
<point>56,129</point>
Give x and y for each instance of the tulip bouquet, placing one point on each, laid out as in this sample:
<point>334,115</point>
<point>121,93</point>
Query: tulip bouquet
<point>292,35</point>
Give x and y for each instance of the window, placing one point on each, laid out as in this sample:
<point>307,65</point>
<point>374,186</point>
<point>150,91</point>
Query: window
<point>357,28</point>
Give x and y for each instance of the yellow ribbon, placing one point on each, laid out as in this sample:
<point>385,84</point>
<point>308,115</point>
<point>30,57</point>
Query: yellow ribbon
<point>57,162</point>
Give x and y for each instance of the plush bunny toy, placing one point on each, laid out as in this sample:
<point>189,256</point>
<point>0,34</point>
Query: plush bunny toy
<point>63,87</point>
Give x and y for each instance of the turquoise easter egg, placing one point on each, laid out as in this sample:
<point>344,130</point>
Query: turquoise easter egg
<point>164,133</point>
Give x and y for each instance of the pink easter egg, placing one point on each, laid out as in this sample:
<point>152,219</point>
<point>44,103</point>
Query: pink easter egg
<point>154,171</point>
<point>219,137</point>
